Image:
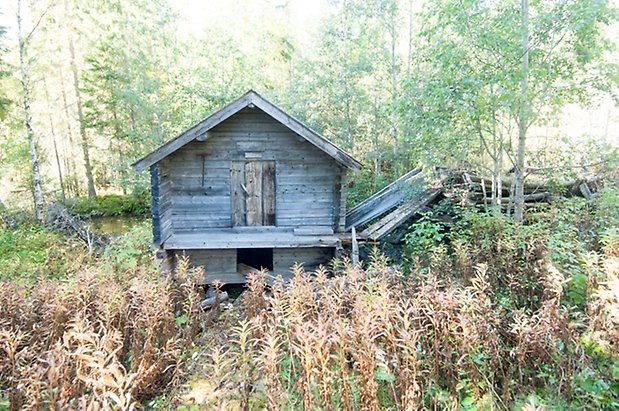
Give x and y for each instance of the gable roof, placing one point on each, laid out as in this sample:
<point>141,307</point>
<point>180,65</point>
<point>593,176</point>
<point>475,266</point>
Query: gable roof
<point>248,99</point>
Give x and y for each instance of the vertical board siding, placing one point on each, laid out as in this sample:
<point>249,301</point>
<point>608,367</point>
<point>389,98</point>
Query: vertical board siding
<point>306,183</point>
<point>268,192</point>
<point>237,179</point>
<point>154,209</point>
<point>253,187</point>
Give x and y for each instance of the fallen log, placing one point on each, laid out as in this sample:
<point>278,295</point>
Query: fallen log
<point>219,297</point>
<point>585,190</point>
<point>528,198</point>
<point>61,219</point>
<point>533,187</point>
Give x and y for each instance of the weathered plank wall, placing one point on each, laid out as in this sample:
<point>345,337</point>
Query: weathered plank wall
<point>221,264</point>
<point>164,201</point>
<point>223,261</point>
<point>310,258</point>
<point>195,180</point>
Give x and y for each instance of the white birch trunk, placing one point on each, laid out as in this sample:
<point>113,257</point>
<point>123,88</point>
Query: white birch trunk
<point>522,117</point>
<point>36,175</point>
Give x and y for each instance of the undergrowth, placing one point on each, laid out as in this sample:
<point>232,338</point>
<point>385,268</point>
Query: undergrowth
<point>487,315</point>
<point>86,331</point>
<point>98,340</point>
<point>31,252</point>
<point>376,338</point>
<point>111,205</point>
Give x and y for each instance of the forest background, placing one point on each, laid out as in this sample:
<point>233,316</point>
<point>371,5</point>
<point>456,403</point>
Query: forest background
<point>482,311</point>
<point>397,83</point>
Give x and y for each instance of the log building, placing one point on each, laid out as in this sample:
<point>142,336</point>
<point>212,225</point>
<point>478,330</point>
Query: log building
<point>248,186</point>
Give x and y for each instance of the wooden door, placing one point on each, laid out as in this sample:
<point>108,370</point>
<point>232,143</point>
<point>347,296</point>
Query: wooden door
<point>252,185</point>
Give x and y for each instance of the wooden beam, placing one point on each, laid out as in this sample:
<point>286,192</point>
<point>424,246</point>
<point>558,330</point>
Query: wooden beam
<point>313,230</point>
<point>355,248</point>
<point>225,239</point>
<point>394,219</point>
<point>383,201</point>
<point>237,194</point>
<point>154,209</point>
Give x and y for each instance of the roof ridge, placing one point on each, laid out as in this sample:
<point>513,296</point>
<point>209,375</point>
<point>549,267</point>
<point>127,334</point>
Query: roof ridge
<point>232,108</point>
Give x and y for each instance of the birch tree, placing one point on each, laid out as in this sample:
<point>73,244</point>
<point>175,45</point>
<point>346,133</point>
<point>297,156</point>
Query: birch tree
<point>23,40</point>
<point>5,101</point>
<point>488,71</point>
<point>522,115</point>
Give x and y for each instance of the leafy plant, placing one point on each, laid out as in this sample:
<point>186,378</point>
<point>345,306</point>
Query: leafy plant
<point>111,205</point>
<point>108,340</point>
<point>427,233</point>
<point>33,252</point>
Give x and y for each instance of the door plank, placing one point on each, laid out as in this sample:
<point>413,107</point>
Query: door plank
<point>237,180</point>
<point>253,200</point>
<point>268,192</point>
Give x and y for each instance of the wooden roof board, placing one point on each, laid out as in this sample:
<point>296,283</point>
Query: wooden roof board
<point>383,201</point>
<point>397,217</point>
<point>251,97</point>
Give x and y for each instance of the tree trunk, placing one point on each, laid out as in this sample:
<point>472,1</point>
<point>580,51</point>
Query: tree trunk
<point>522,118</point>
<point>374,132</point>
<point>407,126</point>
<point>394,92</point>
<point>351,143</point>
<point>159,112</point>
<point>80,113</point>
<point>499,177</point>
<point>72,180</point>
<point>36,175</point>
<point>51,129</point>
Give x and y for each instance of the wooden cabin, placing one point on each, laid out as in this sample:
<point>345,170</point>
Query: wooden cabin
<point>248,186</point>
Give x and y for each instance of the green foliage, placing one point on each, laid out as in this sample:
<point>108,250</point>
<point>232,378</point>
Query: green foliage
<point>363,185</point>
<point>111,205</point>
<point>566,233</point>
<point>427,233</point>
<point>131,251</point>
<point>30,253</point>
<point>560,244</point>
<point>467,87</point>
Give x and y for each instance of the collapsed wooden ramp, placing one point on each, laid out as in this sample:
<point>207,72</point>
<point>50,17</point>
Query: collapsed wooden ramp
<point>393,205</point>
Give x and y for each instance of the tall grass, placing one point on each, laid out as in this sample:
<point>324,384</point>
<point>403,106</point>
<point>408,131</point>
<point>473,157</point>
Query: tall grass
<point>374,338</point>
<point>98,340</point>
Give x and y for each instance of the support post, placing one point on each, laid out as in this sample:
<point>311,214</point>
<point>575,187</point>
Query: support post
<point>355,248</point>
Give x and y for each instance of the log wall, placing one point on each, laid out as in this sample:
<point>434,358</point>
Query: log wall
<point>222,264</point>
<point>195,181</point>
